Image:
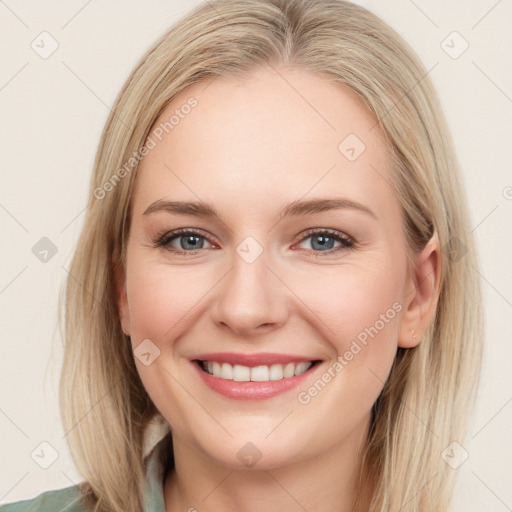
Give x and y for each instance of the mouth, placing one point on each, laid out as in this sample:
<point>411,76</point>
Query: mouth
<point>254,376</point>
<point>260,373</point>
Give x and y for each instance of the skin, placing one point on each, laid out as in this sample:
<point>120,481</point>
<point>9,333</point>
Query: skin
<point>250,147</point>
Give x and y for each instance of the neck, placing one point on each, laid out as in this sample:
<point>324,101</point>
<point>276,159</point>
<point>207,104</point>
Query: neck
<point>328,481</point>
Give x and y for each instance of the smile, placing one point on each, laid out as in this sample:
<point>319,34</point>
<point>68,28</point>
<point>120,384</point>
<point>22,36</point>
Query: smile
<point>255,376</point>
<point>262,373</point>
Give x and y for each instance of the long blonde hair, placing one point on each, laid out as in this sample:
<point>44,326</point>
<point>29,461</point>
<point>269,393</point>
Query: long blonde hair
<point>424,404</point>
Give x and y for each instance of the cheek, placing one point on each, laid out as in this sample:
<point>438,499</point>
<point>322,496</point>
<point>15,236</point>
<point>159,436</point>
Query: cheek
<point>352,299</point>
<point>358,313</point>
<point>161,299</point>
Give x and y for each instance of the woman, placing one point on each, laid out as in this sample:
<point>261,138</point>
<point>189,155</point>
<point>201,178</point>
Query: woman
<point>275,271</point>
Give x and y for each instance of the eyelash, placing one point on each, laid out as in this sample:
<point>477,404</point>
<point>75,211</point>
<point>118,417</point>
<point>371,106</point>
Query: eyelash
<point>347,243</point>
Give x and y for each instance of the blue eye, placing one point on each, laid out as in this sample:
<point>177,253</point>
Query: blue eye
<point>322,241</point>
<point>191,241</point>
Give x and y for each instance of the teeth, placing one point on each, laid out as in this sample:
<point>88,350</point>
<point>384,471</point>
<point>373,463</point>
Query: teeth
<point>241,373</point>
<point>301,368</point>
<point>259,374</point>
<point>226,371</point>
<point>276,372</point>
<point>263,373</point>
<point>289,370</point>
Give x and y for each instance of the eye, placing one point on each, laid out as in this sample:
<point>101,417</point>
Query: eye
<point>324,240</point>
<point>182,241</point>
<point>189,242</point>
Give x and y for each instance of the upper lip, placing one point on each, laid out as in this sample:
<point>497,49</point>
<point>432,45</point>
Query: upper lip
<point>251,360</point>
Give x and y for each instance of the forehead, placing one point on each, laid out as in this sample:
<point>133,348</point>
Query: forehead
<point>279,133</point>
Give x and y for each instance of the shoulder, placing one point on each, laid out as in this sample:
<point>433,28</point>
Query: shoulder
<point>60,500</point>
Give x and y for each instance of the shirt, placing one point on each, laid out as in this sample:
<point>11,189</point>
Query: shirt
<point>68,499</point>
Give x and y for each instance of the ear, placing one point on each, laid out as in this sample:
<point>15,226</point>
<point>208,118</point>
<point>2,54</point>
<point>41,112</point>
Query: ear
<point>121,297</point>
<point>421,295</point>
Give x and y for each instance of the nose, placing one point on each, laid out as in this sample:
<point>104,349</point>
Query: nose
<point>252,300</point>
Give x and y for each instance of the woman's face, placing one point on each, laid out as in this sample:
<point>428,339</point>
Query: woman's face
<point>294,252</point>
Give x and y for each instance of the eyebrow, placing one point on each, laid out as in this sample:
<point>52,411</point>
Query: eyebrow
<point>296,208</point>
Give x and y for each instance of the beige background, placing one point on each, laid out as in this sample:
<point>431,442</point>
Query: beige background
<point>52,113</point>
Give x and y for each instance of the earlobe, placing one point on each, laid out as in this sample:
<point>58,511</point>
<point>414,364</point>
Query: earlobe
<point>421,297</point>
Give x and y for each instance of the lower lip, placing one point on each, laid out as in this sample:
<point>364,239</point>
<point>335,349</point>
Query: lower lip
<point>252,390</point>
